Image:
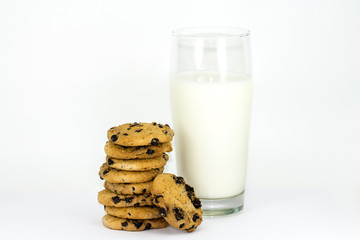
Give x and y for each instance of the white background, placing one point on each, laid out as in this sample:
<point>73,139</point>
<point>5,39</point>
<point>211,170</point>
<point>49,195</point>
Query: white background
<point>69,70</point>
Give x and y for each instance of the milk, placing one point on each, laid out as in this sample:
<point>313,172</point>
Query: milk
<point>211,115</point>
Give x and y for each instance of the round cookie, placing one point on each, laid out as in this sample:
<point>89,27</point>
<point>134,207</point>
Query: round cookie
<point>132,224</point>
<point>121,152</point>
<point>147,212</point>
<point>138,164</point>
<point>140,134</point>
<point>129,188</point>
<point>177,202</point>
<point>110,199</point>
<point>118,176</point>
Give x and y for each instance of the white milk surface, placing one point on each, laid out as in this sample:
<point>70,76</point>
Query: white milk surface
<point>211,115</point>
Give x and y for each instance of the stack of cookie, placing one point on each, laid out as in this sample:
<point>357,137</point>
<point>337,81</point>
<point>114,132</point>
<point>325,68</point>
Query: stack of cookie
<point>136,154</point>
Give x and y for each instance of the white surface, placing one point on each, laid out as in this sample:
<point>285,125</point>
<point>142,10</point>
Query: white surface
<point>287,214</point>
<point>215,143</point>
<point>71,69</point>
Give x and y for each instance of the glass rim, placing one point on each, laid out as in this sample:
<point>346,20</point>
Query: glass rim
<point>210,32</point>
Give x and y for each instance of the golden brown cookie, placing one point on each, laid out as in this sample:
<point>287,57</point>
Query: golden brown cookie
<point>129,188</point>
<point>133,224</point>
<point>140,134</point>
<point>110,199</point>
<point>119,176</point>
<point>121,152</point>
<point>143,164</point>
<point>147,212</point>
<point>177,202</point>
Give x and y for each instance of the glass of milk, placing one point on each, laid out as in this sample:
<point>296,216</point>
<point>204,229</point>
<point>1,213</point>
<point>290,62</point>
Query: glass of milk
<point>211,91</point>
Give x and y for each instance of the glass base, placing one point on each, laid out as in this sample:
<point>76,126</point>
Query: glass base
<point>222,206</point>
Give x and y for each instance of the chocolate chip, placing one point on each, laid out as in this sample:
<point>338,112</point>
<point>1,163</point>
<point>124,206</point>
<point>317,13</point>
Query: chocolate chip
<point>134,124</point>
<point>155,142</point>
<point>189,188</point>
<point>179,214</point>
<point>101,178</point>
<point>114,138</point>
<point>138,130</point>
<point>197,203</point>
<point>124,224</point>
<point>110,161</point>
<point>182,225</point>
<point>136,204</point>
<point>179,180</point>
<point>187,229</point>
<point>162,211</point>
<point>137,224</point>
<point>133,188</point>
<point>144,190</point>
<point>129,199</point>
<point>116,199</point>
<point>150,152</point>
<point>165,132</point>
<point>129,214</point>
<point>167,125</point>
<point>154,123</point>
<point>164,157</point>
<point>147,226</point>
<point>196,217</point>
<point>106,171</point>
<point>160,126</point>
<point>157,198</point>
<point>128,128</point>
<point>191,195</point>
<point>125,134</point>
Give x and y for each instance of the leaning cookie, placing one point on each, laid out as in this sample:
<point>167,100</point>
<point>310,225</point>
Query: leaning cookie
<point>122,152</point>
<point>118,176</point>
<point>139,134</point>
<point>177,202</point>
<point>132,224</point>
<point>138,164</point>
<point>129,188</point>
<point>147,212</point>
<point>110,199</point>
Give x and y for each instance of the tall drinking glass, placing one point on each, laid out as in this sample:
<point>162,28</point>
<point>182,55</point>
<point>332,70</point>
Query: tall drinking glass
<point>211,91</point>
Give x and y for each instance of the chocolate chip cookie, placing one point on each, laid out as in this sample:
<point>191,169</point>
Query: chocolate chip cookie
<point>133,224</point>
<point>122,152</point>
<point>177,202</point>
<point>144,164</point>
<point>119,176</point>
<point>140,134</point>
<point>148,212</point>
<point>129,188</point>
<point>110,199</point>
